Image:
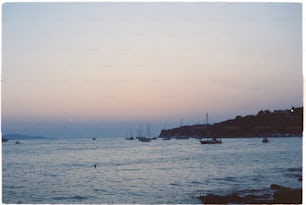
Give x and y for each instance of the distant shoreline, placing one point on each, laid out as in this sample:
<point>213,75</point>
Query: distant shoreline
<point>21,137</point>
<point>229,137</point>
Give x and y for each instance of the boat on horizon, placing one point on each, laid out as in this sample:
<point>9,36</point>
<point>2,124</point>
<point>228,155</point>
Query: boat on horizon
<point>265,140</point>
<point>4,139</point>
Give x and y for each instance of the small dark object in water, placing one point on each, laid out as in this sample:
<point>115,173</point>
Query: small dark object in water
<point>17,142</point>
<point>4,140</point>
<point>144,139</point>
<point>93,138</point>
<point>95,166</point>
<point>265,140</point>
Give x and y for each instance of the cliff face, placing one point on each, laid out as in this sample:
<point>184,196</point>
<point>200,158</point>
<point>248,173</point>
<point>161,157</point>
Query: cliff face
<point>265,123</point>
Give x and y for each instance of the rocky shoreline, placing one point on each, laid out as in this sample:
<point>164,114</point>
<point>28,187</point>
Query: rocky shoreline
<point>275,194</point>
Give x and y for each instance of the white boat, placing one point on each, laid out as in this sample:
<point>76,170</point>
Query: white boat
<point>211,141</point>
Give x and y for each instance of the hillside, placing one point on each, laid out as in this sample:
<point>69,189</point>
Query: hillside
<point>266,123</point>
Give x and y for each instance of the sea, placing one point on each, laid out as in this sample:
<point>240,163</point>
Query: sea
<point>120,171</point>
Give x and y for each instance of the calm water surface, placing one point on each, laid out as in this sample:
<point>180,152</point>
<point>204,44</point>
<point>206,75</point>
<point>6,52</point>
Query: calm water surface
<point>174,171</point>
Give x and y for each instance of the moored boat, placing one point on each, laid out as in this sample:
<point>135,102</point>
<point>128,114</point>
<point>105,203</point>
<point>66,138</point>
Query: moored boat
<point>211,141</point>
<point>4,140</point>
<point>265,140</point>
<point>144,139</point>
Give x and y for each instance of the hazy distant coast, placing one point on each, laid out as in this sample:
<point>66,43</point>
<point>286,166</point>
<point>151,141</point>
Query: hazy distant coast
<point>21,137</point>
<point>277,123</point>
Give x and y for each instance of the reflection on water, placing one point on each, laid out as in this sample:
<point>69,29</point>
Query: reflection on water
<point>175,171</point>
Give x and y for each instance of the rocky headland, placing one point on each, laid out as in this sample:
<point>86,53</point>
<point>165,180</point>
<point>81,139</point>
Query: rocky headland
<point>266,123</point>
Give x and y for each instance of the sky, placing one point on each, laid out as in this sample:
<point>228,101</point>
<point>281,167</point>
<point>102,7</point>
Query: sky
<point>100,69</point>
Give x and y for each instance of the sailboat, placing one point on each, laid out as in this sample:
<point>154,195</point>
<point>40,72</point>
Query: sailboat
<point>143,138</point>
<point>131,135</point>
<point>211,140</point>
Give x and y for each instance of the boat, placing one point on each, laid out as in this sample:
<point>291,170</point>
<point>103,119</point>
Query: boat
<point>17,142</point>
<point>131,135</point>
<point>147,137</point>
<point>265,140</point>
<point>144,139</point>
<point>211,141</point>
<point>4,140</point>
<point>93,138</point>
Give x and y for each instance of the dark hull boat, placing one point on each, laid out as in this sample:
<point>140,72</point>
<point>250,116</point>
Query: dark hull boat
<point>4,140</point>
<point>211,141</point>
<point>265,140</point>
<point>144,139</point>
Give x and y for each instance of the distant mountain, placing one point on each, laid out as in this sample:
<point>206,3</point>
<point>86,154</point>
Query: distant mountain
<point>279,123</point>
<point>21,137</point>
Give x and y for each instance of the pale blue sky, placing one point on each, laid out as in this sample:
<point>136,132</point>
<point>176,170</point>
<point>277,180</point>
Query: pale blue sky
<point>77,69</point>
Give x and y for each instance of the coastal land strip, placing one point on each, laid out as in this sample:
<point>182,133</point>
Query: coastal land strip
<point>277,123</point>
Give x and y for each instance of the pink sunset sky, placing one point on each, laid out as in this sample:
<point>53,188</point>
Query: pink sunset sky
<point>83,69</point>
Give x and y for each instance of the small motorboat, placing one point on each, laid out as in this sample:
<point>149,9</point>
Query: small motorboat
<point>4,140</point>
<point>211,141</point>
<point>265,140</point>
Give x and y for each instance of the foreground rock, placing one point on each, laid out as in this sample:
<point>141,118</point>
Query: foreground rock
<point>286,195</point>
<point>281,195</point>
